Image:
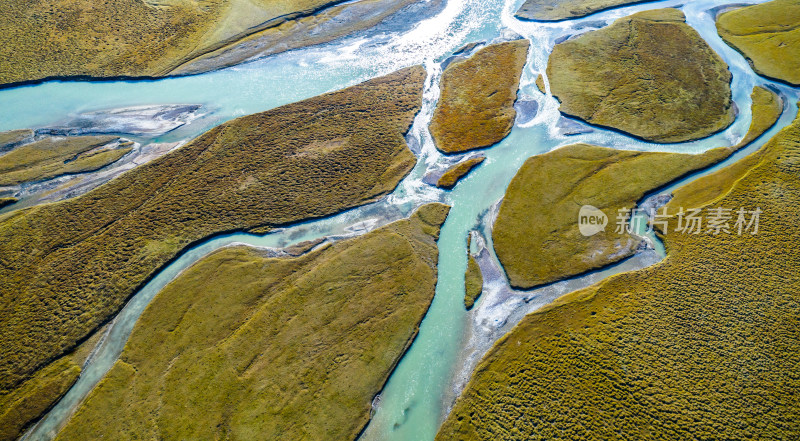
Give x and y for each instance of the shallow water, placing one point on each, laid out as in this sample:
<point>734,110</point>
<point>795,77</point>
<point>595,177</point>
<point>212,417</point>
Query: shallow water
<point>413,403</point>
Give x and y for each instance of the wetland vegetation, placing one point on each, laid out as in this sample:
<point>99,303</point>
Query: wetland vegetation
<point>13,138</point>
<point>135,38</point>
<point>648,74</point>
<point>452,175</point>
<point>274,348</point>
<point>300,342</point>
<point>536,235</point>
<point>22,406</point>
<point>556,10</point>
<point>766,109</point>
<point>768,34</point>
<point>473,283</point>
<point>476,106</point>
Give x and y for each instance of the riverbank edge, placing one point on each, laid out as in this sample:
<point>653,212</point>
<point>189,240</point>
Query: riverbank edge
<point>230,42</point>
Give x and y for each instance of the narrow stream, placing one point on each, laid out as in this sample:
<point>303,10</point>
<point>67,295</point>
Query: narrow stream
<point>450,341</point>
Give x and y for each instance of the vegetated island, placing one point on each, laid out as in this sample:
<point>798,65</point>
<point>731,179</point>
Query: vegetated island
<point>67,267</point>
<point>649,74</point>
<point>274,348</point>
<point>29,402</point>
<point>452,175</point>
<point>152,38</point>
<point>536,234</point>
<point>704,344</point>
<point>50,157</point>
<point>7,201</point>
<point>768,35</point>
<point>476,106</point>
<point>14,138</point>
<point>338,20</point>
<point>557,10</point>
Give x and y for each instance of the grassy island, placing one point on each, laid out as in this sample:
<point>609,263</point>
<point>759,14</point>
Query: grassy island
<point>452,175</point>
<point>768,34</point>
<point>766,109</point>
<point>536,234</point>
<point>473,283</point>
<point>68,267</point>
<point>271,348</point>
<point>556,10</point>
<point>476,106</point>
<point>649,74</point>
<point>703,345</point>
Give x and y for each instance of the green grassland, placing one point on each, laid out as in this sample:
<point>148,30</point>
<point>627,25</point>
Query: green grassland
<point>536,234</point>
<point>706,189</point>
<point>704,345</point>
<point>766,109</point>
<point>67,267</point>
<point>27,403</point>
<point>476,106</point>
<point>473,283</point>
<point>452,175</point>
<point>768,35</point>
<point>649,74</point>
<point>555,10</point>
<point>127,37</point>
<point>251,347</point>
<point>51,157</point>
